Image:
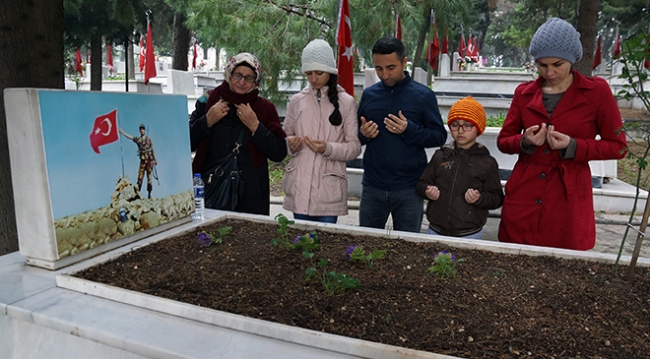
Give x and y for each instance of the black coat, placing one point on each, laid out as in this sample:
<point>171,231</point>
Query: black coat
<point>455,170</point>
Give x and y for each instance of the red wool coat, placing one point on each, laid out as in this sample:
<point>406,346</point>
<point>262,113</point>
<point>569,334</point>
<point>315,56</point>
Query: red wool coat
<point>548,200</point>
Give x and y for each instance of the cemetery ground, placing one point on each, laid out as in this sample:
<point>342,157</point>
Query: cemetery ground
<point>497,305</point>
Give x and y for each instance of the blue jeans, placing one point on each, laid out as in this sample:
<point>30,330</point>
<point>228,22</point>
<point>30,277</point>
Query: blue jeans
<point>324,219</point>
<point>477,235</point>
<point>406,207</point>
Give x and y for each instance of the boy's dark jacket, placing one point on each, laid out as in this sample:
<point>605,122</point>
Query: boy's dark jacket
<point>454,170</point>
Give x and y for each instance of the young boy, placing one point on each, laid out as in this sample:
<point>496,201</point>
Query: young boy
<point>462,180</point>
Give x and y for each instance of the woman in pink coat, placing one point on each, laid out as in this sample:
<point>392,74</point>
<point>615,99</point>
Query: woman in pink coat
<point>321,125</point>
<point>553,124</point>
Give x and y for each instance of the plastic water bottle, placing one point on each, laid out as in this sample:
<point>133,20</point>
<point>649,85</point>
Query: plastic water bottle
<point>199,201</point>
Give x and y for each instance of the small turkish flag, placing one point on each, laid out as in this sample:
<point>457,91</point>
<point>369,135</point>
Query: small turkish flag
<point>142,54</point>
<point>104,130</point>
<point>597,55</point>
<point>344,42</point>
<point>194,56</point>
<point>77,62</point>
<point>150,60</point>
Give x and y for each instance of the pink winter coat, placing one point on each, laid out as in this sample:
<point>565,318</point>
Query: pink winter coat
<point>316,184</point>
<point>548,199</point>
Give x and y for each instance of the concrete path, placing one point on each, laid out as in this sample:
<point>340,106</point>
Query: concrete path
<point>610,228</point>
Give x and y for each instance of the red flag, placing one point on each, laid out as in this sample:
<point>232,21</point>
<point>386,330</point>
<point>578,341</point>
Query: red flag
<point>469,50</point>
<point>444,49</point>
<point>646,64</point>
<point>461,47</point>
<point>398,28</point>
<point>194,56</point>
<point>344,41</point>
<point>476,51</point>
<point>104,130</point>
<point>597,55</point>
<point>617,45</point>
<point>142,54</point>
<point>433,49</point>
<point>150,61</point>
<point>77,62</point>
<point>109,55</point>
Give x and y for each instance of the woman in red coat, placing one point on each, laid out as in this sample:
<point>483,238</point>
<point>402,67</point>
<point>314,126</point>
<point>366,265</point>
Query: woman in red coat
<point>552,124</point>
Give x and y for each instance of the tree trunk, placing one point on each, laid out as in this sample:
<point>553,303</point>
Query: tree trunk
<point>180,43</point>
<point>422,36</point>
<point>96,63</point>
<point>587,23</point>
<point>31,55</point>
<point>129,55</point>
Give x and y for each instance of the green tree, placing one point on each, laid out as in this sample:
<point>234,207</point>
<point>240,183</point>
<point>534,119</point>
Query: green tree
<point>88,21</point>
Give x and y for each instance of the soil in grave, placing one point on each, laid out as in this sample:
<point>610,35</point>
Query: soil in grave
<point>498,306</point>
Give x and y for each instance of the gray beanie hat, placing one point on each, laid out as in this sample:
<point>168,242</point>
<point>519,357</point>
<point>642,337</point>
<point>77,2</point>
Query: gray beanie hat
<point>556,38</point>
<point>318,56</point>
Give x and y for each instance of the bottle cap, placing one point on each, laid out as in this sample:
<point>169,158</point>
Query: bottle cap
<point>197,175</point>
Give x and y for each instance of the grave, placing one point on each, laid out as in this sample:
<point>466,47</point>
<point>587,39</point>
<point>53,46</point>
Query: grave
<point>60,166</point>
<point>74,167</point>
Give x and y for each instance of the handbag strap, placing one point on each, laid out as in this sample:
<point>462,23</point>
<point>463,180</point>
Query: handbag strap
<point>239,142</point>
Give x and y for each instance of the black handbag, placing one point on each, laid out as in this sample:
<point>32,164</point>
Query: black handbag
<point>224,185</point>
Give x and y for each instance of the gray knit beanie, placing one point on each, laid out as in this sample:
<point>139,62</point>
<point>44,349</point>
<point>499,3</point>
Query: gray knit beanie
<point>318,56</point>
<point>556,38</point>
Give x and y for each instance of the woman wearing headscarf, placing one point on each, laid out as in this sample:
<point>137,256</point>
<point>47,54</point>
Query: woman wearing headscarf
<point>233,107</point>
<point>552,125</point>
<point>321,125</point>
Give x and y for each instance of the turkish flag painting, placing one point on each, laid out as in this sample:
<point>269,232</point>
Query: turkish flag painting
<point>150,61</point>
<point>104,130</point>
<point>344,41</point>
<point>142,54</point>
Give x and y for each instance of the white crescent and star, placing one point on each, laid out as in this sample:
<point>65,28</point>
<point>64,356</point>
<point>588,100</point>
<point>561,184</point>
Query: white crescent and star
<point>98,129</point>
<point>348,49</point>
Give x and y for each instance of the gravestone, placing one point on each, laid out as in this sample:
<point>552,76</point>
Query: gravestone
<point>82,183</point>
<point>180,82</point>
<point>444,67</point>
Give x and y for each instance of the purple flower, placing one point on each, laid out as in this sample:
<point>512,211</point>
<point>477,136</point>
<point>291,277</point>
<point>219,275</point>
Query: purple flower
<point>296,240</point>
<point>204,239</point>
<point>446,252</point>
<point>348,252</point>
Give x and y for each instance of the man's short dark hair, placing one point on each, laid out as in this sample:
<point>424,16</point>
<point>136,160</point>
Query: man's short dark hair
<point>387,45</point>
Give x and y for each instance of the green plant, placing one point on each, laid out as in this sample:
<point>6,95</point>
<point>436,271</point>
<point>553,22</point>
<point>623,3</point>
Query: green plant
<point>206,239</point>
<point>496,120</point>
<point>307,244</point>
<point>333,282</point>
<point>444,264</point>
<point>283,231</point>
<point>634,58</point>
<point>358,254</point>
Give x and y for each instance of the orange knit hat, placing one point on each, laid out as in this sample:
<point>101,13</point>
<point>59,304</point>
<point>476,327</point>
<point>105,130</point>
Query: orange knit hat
<point>470,110</point>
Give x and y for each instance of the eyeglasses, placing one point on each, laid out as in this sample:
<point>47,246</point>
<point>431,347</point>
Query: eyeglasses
<point>248,78</point>
<point>467,126</point>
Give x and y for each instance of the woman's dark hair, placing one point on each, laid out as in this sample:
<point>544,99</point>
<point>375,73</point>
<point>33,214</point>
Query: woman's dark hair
<point>333,95</point>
